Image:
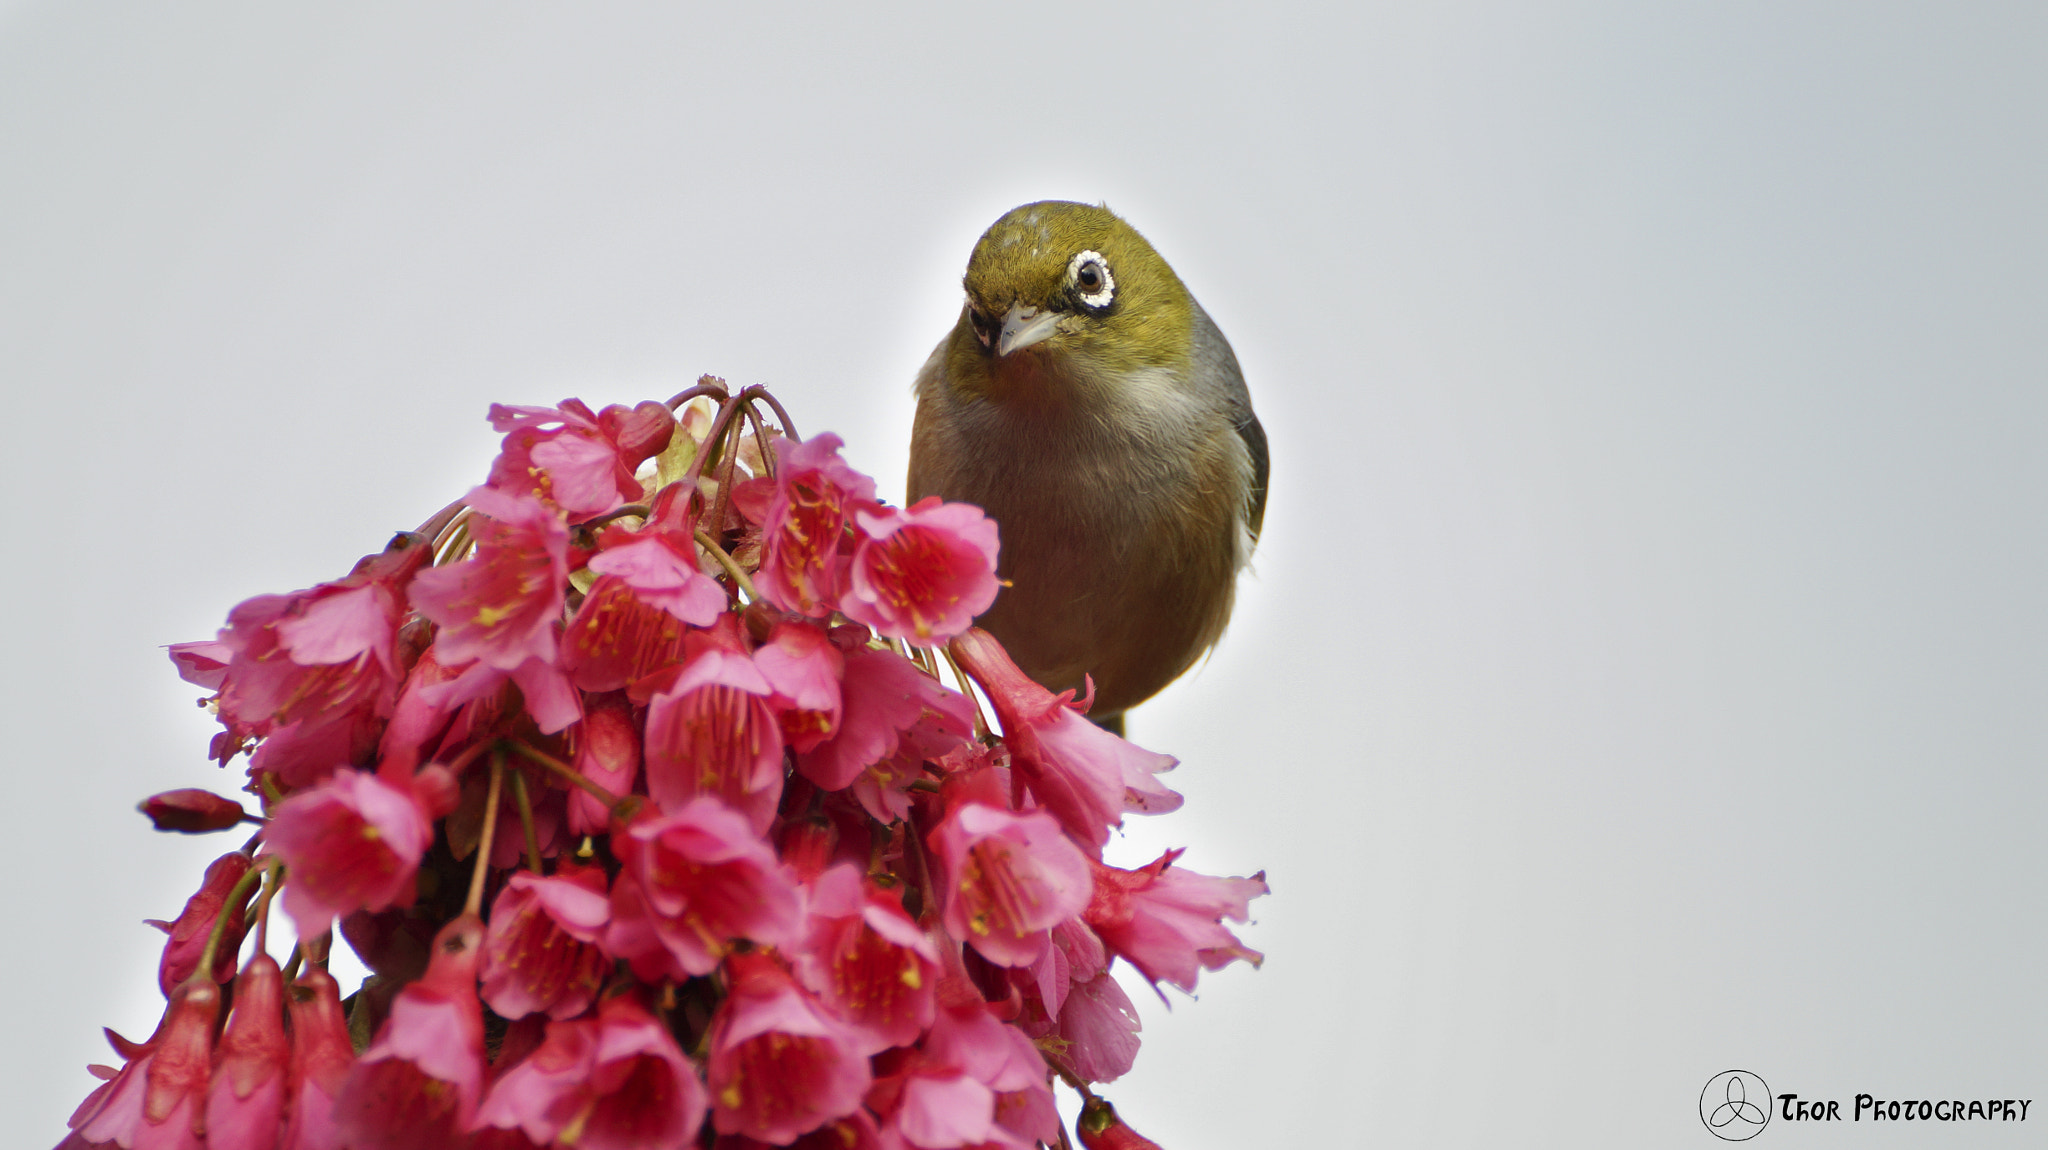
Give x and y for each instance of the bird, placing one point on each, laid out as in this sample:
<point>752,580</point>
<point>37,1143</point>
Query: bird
<point>1089,405</point>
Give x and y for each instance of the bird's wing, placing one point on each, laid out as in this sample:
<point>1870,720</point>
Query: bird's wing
<point>1213,360</point>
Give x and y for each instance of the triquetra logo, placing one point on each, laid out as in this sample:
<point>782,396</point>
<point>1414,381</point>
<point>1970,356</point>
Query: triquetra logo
<point>1736,1105</point>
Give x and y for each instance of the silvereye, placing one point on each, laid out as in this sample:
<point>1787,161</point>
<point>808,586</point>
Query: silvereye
<point>1092,408</point>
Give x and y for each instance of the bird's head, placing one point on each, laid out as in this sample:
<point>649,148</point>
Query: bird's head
<point>1064,296</point>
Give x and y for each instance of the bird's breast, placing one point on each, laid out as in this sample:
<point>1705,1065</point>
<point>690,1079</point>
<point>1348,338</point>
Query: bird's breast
<point>1119,525</point>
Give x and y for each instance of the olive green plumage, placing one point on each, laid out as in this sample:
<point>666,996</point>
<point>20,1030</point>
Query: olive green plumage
<point>1089,404</point>
<point>1025,257</point>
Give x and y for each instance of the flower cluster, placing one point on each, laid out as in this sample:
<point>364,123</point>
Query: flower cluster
<point>635,780</point>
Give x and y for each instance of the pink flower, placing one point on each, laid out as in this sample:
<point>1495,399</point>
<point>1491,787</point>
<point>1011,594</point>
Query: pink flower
<point>1011,877</point>
<point>579,461</point>
<point>540,951</point>
<point>693,883</point>
<point>203,663</point>
<point>416,1087</point>
<point>158,1100</point>
<point>659,562</point>
<point>968,1037</point>
<point>245,1102</point>
<point>195,924</point>
<point>780,1064</point>
<point>714,732</point>
<point>502,606</point>
<point>353,842</point>
<point>614,1082</point>
<point>923,574</point>
<point>800,661</point>
<point>1100,1028</point>
<point>801,567</point>
<point>867,960</point>
<point>1168,921</point>
<point>321,1058</point>
<point>548,696</point>
<point>976,1082</point>
<point>607,752</point>
<point>1083,774</point>
<point>618,638</point>
<point>315,673</point>
<point>885,696</point>
<point>945,1108</point>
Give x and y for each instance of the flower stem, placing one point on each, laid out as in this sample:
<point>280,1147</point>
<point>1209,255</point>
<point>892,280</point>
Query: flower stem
<point>756,391</point>
<point>706,385</point>
<point>475,902</point>
<point>439,520</point>
<point>712,436</point>
<point>616,513</point>
<point>453,543</point>
<point>761,440</point>
<point>234,902</point>
<point>571,774</point>
<point>731,566</point>
<point>981,728</point>
<point>525,807</point>
<point>275,880</point>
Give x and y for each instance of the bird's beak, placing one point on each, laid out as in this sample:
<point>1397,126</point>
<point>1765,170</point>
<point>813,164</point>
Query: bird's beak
<point>1024,326</point>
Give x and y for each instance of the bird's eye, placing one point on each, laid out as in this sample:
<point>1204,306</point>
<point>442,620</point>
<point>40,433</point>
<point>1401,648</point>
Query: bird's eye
<point>984,327</point>
<point>1088,275</point>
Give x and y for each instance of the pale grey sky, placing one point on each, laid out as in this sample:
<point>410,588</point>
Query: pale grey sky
<point>1643,673</point>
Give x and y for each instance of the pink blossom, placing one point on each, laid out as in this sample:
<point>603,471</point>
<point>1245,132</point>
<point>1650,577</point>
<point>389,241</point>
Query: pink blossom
<point>503,605</point>
<point>714,732</point>
<point>194,926</point>
<point>1086,776</point>
<point>975,1082</point>
<point>315,673</point>
<point>321,1058</point>
<point>885,696</point>
<point>801,566</point>
<point>1011,877</point>
<point>540,951</point>
<point>922,574</point>
<point>1075,957</point>
<point>800,661</point>
<point>693,883</point>
<point>203,663</point>
<point>1100,1028</point>
<point>659,562</point>
<point>607,752</point>
<point>353,842</point>
<point>581,462</point>
<point>780,1064</point>
<point>618,638</point>
<point>945,1109</point>
<point>158,1100</point>
<point>614,1082</point>
<point>965,1035</point>
<point>245,1101</point>
<point>417,1086</point>
<point>1168,921</point>
<point>867,960</point>
<point>547,695</point>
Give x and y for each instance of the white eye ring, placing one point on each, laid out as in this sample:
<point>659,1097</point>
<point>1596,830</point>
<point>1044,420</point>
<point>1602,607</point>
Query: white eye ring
<point>1101,293</point>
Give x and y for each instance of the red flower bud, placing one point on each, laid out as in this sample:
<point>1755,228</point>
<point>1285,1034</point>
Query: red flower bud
<point>1101,1129</point>
<point>191,811</point>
